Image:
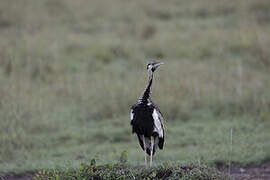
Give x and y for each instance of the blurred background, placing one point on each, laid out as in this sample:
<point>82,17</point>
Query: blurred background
<point>70,71</point>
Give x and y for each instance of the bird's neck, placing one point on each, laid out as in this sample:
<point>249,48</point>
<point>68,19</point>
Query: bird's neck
<point>146,96</point>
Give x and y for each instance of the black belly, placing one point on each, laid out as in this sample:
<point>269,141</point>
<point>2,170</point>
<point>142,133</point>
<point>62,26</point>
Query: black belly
<point>143,122</point>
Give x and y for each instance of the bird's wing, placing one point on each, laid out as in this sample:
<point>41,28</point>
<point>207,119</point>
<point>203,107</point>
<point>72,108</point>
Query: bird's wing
<point>158,122</point>
<point>159,115</point>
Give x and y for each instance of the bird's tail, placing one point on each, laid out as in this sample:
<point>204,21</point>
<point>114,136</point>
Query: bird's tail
<point>148,143</point>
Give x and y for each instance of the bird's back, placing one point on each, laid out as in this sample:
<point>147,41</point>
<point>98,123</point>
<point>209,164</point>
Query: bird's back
<point>147,122</point>
<point>142,121</point>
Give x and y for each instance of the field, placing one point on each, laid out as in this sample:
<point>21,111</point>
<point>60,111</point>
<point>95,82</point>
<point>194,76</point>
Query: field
<point>70,71</point>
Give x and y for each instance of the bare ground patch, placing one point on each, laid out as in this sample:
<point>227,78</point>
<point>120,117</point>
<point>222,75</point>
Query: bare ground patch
<point>251,171</point>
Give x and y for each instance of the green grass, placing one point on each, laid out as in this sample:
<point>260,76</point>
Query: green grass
<point>201,139</point>
<point>125,171</point>
<point>70,70</point>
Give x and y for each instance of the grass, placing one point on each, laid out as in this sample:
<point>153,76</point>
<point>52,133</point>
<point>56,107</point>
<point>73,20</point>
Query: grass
<point>69,71</point>
<point>198,140</point>
<point>125,171</point>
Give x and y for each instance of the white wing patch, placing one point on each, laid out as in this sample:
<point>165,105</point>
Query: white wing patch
<point>157,123</point>
<point>131,114</point>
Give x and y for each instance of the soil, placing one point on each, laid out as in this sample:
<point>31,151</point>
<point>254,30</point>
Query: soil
<point>17,177</point>
<point>246,172</point>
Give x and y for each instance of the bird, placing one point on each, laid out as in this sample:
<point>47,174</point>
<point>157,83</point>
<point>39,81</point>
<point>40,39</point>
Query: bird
<point>146,118</point>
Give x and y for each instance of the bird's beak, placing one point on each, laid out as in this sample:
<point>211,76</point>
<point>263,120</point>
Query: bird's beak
<point>158,64</point>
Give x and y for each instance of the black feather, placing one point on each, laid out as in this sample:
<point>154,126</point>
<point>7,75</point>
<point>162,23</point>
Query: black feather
<point>143,122</point>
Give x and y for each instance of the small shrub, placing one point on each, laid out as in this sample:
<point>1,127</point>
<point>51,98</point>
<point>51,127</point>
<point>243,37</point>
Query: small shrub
<point>124,171</point>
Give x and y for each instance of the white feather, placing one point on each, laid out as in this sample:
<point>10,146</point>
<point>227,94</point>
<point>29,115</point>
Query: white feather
<point>157,123</point>
<point>131,114</point>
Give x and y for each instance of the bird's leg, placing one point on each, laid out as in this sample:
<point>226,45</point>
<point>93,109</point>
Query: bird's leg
<point>144,146</point>
<point>151,152</point>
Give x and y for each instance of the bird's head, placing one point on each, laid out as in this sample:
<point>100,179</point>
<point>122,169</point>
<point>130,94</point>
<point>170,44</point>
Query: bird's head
<point>152,66</point>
